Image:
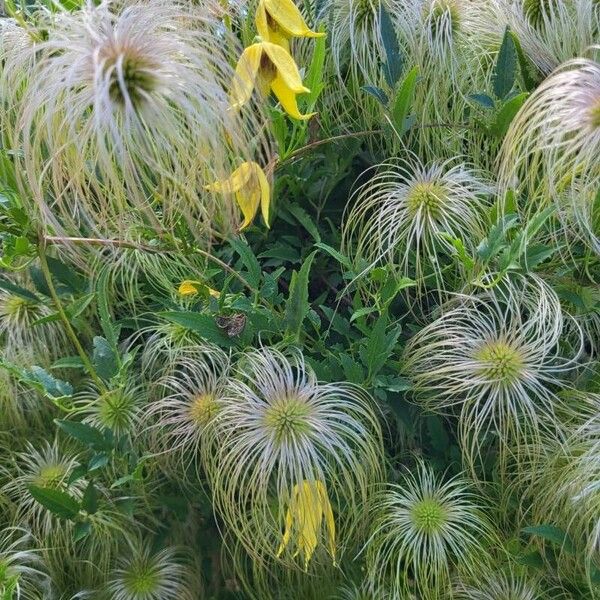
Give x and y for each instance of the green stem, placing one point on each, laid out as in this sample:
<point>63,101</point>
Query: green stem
<point>63,316</point>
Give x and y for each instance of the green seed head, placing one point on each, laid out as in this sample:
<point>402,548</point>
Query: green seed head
<point>50,476</point>
<point>141,579</point>
<point>428,516</point>
<point>428,198</point>
<point>130,76</point>
<point>288,419</point>
<point>500,362</point>
<point>202,409</point>
<point>116,409</point>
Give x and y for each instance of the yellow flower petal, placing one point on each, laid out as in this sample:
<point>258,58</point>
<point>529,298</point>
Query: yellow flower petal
<point>287,99</point>
<point>286,67</point>
<point>262,23</point>
<point>265,194</point>
<point>188,288</point>
<point>328,519</point>
<point>246,72</point>
<point>289,18</point>
<point>238,180</point>
<point>213,293</point>
<point>248,201</point>
<point>251,188</point>
<point>304,517</point>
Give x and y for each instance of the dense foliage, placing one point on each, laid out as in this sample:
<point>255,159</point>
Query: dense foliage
<point>300,300</point>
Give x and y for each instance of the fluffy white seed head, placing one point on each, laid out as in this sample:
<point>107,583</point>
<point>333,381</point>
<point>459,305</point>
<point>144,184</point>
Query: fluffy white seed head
<point>19,331</point>
<point>405,214</point>
<point>549,31</point>
<point>550,151</point>
<point>126,119</point>
<point>20,565</point>
<point>493,360</point>
<point>276,429</point>
<point>498,585</point>
<point>142,574</point>
<point>187,400</point>
<point>47,467</point>
<point>118,408</point>
<point>423,528</point>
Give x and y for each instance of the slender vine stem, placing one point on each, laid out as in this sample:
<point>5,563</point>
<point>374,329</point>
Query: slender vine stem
<point>145,248</point>
<point>63,316</point>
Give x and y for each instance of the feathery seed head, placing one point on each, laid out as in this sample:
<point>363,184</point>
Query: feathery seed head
<point>186,400</point>
<point>552,145</point>
<point>127,120</point>
<point>48,466</point>
<point>500,362</point>
<point>494,359</point>
<point>116,408</point>
<point>279,430</point>
<point>422,529</point>
<point>491,585</point>
<point>404,213</point>
<point>145,575</point>
<point>20,574</point>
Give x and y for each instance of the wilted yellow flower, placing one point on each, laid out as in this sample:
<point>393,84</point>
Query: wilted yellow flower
<point>190,288</point>
<point>270,68</point>
<point>251,188</point>
<point>308,506</point>
<point>279,20</point>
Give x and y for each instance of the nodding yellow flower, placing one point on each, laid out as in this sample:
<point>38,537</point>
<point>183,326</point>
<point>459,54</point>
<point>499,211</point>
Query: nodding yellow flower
<point>251,188</point>
<point>279,20</point>
<point>308,506</point>
<point>270,68</point>
<point>190,288</point>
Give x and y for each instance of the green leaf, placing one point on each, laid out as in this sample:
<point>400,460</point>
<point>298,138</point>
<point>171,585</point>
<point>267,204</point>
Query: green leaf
<point>110,329</point>
<point>248,259</point>
<point>362,312</point>
<point>87,434</point>
<point>81,530</point>
<point>552,534</point>
<point>60,503</point>
<point>392,67</point>
<point>506,114</point>
<point>495,241</point>
<point>379,345</point>
<point>68,362</point>
<point>79,305</point>
<point>297,305</point>
<point>89,502</point>
<point>305,220</point>
<point>52,387</point>
<point>104,359</point>
<point>203,325</point>
<point>314,76</point>
<point>529,72</point>
<point>98,461</point>
<point>343,260</point>
<point>403,101</point>
<point>483,100</point>
<point>18,291</point>
<point>377,93</point>
<point>505,71</point>
<point>65,274</point>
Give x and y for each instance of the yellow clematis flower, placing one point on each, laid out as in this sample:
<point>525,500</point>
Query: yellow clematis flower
<point>308,506</point>
<point>251,188</point>
<point>190,288</point>
<point>279,20</point>
<point>270,68</point>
